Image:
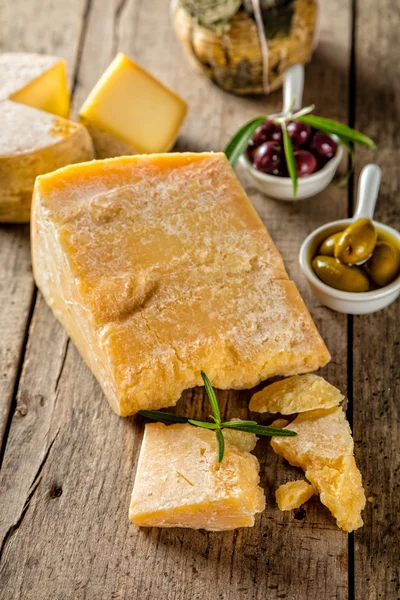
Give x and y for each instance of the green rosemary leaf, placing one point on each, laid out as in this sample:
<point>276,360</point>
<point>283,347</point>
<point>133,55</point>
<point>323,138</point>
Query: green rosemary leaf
<point>239,142</point>
<point>290,160</point>
<point>345,179</point>
<point>212,397</point>
<point>330,126</point>
<point>163,417</point>
<point>221,444</point>
<point>239,422</point>
<point>259,429</point>
<point>203,424</point>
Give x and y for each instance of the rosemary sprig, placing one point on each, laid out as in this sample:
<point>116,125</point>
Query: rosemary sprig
<point>217,426</point>
<point>347,136</point>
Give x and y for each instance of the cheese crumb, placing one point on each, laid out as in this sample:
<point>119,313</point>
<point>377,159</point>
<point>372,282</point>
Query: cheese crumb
<point>293,494</point>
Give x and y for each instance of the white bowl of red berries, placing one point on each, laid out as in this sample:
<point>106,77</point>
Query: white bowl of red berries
<point>317,156</point>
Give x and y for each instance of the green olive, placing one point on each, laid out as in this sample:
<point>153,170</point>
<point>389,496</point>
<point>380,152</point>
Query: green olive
<point>341,277</point>
<point>384,263</point>
<point>356,243</point>
<point>328,245</point>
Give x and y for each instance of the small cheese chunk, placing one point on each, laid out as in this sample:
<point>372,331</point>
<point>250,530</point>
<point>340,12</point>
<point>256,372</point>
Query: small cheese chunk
<point>130,112</point>
<point>240,439</point>
<point>293,494</point>
<point>323,448</point>
<point>37,80</point>
<point>180,483</point>
<point>158,266</point>
<point>296,394</point>
<point>33,142</point>
<point>35,138</point>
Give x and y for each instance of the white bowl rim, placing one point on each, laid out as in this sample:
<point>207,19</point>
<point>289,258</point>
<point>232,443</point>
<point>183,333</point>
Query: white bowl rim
<point>332,164</point>
<point>339,294</point>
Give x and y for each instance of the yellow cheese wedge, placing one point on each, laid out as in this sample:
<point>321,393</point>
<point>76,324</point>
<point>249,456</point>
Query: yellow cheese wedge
<point>293,494</point>
<point>324,448</point>
<point>35,138</point>
<point>158,266</point>
<point>131,112</point>
<point>180,483</point>
<point>37,80</point>
<point>296,394</point>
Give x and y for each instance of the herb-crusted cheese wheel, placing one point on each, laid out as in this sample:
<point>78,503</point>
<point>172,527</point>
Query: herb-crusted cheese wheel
<point>158,266</point>
<point>36,137</point>
<point>180,483</point>
<point>130,112</point>
<point>296,394</point>
<point>324,448</point>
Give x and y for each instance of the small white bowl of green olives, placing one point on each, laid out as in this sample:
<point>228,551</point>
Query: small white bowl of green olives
<point>353,265</point>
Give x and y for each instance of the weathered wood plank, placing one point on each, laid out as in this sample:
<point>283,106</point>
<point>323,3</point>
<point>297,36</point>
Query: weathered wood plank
<point>376,345</point>
<point>24,28</point>
<point>70,535</point>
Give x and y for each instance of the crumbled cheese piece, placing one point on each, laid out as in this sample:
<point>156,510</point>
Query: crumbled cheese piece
<point>293,494</point>
<point>323,448</point>
<point>180,483</point>
<point>296,394</point>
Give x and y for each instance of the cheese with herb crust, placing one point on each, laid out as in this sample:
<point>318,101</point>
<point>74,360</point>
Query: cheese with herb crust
<point>180,483</point>
<point>158,266</point>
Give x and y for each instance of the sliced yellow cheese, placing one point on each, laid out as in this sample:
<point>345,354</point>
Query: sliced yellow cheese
<point>324,448</point>
<point>35,137</point>
<point>158,266</point>
<point>293,494</point>
<point>296,394</point>
<point>131,112</point>
<point>180,483</point>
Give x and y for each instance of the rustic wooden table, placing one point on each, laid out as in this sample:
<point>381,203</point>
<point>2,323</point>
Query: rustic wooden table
<point>69,463</point>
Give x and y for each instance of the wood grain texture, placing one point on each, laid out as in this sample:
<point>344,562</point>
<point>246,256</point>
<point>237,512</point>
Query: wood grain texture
<point>70,463</point>
<point>376,344</point>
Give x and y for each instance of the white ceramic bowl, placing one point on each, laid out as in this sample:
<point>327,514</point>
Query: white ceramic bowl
<point>353,303</point>
<point>281,188</point>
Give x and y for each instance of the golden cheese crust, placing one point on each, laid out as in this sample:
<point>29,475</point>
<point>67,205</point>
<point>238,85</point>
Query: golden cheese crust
<point>158,266</point>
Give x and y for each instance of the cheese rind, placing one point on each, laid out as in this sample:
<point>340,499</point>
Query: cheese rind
<point>33,142</point>
<point>35,137</point>
<point>180,483</point>
<point>114,256</point>
<point>296,394</point>
<point>324,448</point>
<point>130,112</point>
<point>293,494</point>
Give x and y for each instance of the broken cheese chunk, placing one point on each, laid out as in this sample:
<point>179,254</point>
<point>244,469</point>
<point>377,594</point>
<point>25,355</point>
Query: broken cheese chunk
<point>296,394</point>
<point>180,483</point>
<point>35,138</point>
<point>158,266</point>
<point>293,494</point>
<point>323,448</point>
<point>130,112</point>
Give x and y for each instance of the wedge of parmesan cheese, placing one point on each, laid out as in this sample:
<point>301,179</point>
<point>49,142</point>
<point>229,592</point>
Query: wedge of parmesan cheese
<point>324,448</point>
<point>35,138</point>
<point>180,483</point>
<point>296,394</point>
<point>130,112</point>
<point>293,494</point>
<point>158,266</point>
